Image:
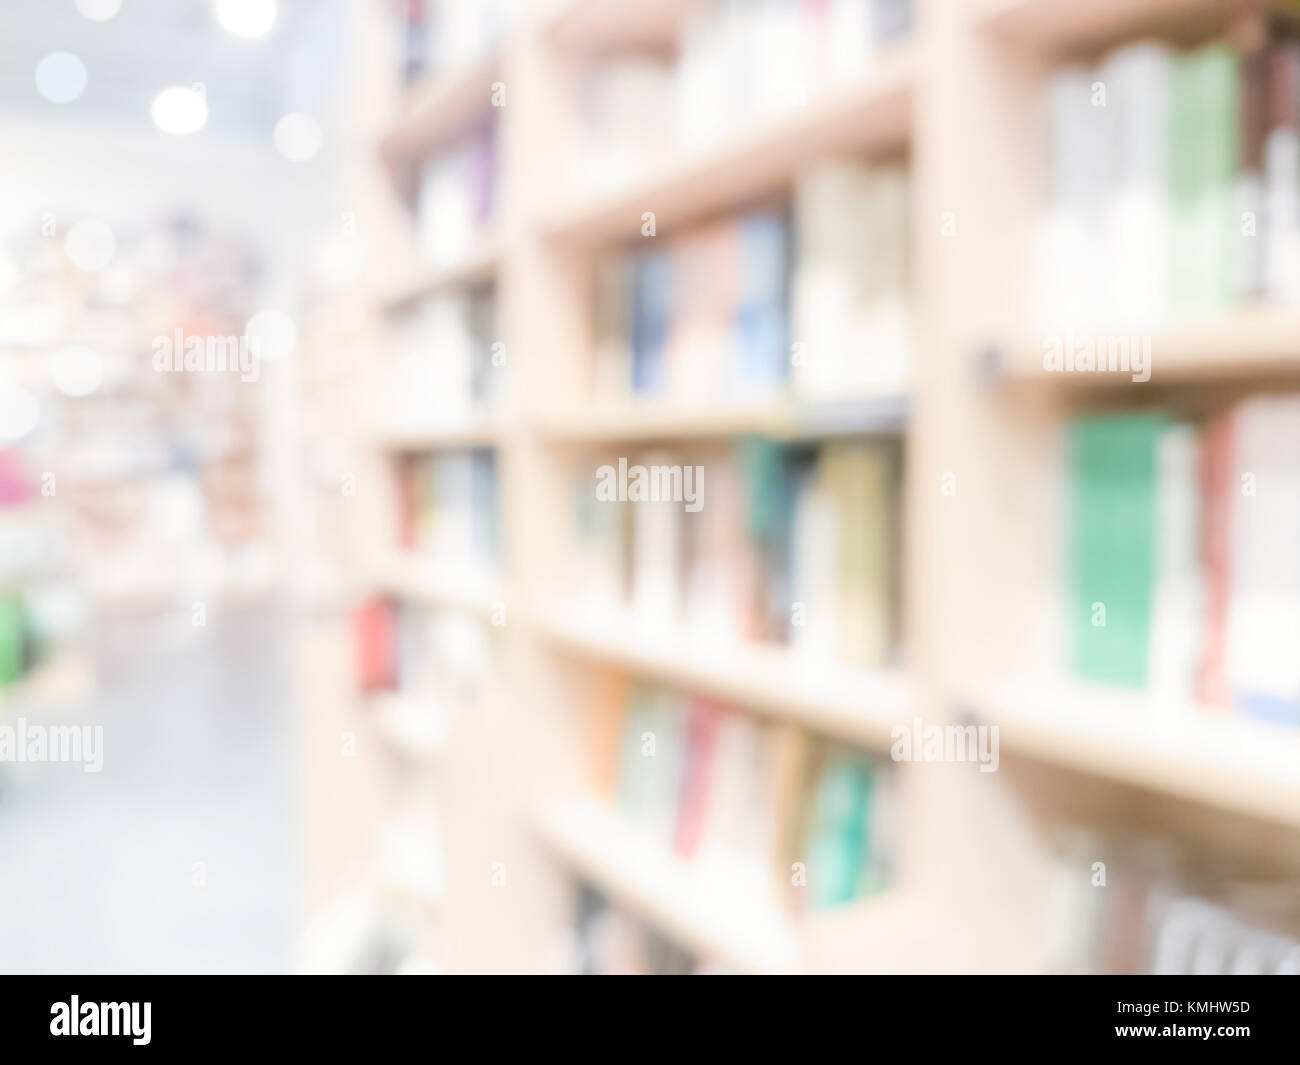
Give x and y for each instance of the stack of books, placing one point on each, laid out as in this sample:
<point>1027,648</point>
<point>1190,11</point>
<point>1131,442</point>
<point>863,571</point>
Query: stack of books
<point>448,507</point>
<point>1173,186</point>
<point>1131,915</point>
<point>797,545</point>
<point>756,807</point>
<point>435,656</point>
<point>458,194</point>
<point>625,119</point>
<point>737,63</point>
<point>850,314</point>
<point>697,318</point>
<point>755,307</point>
<point>444,369</point>
<point>1185,572</point>
<point>743,62</point>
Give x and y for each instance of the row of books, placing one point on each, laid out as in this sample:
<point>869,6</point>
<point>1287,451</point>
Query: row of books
<point>457,195</point>
<point>738,62</point>
<point>446,365</point>
<point>789,544</point>
<point>447,507</point>
<point>419,668</point>
<point>758,808</point>
<point>1138,915</point>
<point>608,941</point>
<point>1186,572</point>
<point>1173,185</point>
<point>814,301</point>
<point>426,653</point>
<point>443,35</point>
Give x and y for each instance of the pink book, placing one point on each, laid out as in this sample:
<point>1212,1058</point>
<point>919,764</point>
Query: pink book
<point>1218,491</point>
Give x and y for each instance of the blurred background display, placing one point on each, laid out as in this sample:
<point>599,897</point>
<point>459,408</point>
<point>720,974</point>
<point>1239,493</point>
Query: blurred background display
<point>650,486</point>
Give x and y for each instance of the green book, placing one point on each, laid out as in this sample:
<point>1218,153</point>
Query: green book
<point>837,840</point>
<point>1203,152</point>
<point>11,640</point>
<point>633,778</point>
<point>1114,475</point>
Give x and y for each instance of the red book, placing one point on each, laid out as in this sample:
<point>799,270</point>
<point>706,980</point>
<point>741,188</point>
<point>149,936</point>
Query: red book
<point>375,631</point>
<point>697,776</point>
<point>1218,494</point>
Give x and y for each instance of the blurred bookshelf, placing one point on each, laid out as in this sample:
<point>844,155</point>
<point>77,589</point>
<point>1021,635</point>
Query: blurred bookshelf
<point>955,578</point>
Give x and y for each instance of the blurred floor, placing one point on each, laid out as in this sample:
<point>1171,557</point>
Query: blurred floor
<point>98,872</point>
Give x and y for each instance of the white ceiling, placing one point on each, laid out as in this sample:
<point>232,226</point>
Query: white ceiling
<point>152,44</point>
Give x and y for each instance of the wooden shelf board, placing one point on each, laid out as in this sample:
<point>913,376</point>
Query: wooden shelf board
<point>860,706</point>
<point>469,433</point>
<point>1246,344</point>
<point>413,576</point>
<point>1202,755</point>
<point>1062,28</point>
<point>479,266</point>
<point>411,725</point>
<point>751,935</point>
<point>439,105</point>
<point>778,420</point>
<point>871,116</point>
<point>585,28</point>
<point>893,932</point>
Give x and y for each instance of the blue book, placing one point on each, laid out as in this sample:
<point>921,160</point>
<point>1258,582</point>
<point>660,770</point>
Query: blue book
<point>651,307</point>
<point>761,332</point>
<point>483,502</point>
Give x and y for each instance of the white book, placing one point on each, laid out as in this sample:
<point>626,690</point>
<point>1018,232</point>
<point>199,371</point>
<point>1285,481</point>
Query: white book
<point>1176,630</point>
<point>656,576</point>
<point>739,819</point>
<point>448,344</point>
<point>1071,255</point>
<point>663,772</point>
<point>1282,216</point>
<point>703,93</point>
<point>1136,79</point>
<point>850,39</point>
<point>815,554</point>
<point>849,316</point>
<point>1264,611</point>
<point>779,75</point>
<point>453,540</point>
<point>446,211</point>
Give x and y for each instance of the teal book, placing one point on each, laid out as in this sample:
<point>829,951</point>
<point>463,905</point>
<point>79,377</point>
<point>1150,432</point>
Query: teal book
<point>1114,517</point>
<point>763,463</point>
<point>837,840</point>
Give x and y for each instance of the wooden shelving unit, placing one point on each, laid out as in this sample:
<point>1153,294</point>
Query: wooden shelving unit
<point>467,433</point>
<point>958,101</point>
<point>438,105</point>
<point>479,265</point>
<point>1184,750</point>
<point>860,706</point>
<point>753,936</point>
<point>1248,344</point>
<point>1066,28</point>
<point>438,584</point>
<point>886,416</point>
<point>865,118</point>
